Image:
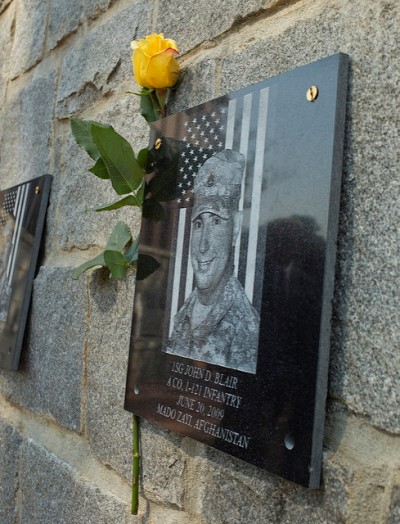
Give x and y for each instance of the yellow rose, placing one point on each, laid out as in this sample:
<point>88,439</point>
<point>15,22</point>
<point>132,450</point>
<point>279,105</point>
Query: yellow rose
<point>154,63</point>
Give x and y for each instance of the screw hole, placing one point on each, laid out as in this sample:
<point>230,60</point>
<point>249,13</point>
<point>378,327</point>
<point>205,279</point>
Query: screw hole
<point>289,442</point>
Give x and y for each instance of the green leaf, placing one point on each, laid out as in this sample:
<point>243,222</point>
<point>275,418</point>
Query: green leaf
<point>119,238</point>
<point>81,130</point>
<point>148,110</point>
<point>130,200</point>
<point>142,157</point>
<point>153,209</point>
<point>132,254</point>
<point>97,261</point>
<point>146,266</point>
<point>118,156</point>
<point>100,170</point>
<point>116,263</point>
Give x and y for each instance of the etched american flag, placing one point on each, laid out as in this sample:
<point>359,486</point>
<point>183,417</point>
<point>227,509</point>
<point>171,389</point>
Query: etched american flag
<point>239,124</point>
<point>204,136</point>
<point>12,212</point>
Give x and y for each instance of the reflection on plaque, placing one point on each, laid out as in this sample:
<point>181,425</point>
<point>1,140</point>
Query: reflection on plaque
<point>22,215</point>
<point>230,336</point>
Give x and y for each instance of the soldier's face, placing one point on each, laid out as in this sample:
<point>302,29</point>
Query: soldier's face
<point>211,250</point>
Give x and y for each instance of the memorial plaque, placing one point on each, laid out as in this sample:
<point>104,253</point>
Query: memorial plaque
<point>230,335</point>
<point>22,216</point>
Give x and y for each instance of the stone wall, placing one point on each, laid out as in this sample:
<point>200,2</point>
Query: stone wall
<point>64,436</point>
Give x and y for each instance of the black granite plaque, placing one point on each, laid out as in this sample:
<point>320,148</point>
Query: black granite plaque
<point>230,336</point>
<point>22,216</point>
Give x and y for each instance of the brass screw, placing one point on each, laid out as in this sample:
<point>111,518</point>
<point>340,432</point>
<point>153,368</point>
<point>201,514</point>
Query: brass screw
<point>312,93</point>
<point>157,143</point>
<point>37,190</point>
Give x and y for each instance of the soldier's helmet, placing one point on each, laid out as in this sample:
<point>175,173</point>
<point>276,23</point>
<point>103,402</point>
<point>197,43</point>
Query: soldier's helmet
<point>217,186</point>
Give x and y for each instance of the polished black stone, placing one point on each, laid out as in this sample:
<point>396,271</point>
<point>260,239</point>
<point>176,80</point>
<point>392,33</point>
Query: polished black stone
<point>272,414</point>
<point>22,216</point>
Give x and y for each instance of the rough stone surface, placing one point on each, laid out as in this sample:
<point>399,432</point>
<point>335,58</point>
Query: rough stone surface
<point>6,39</point>
<point>26,140</point>
<point>4,4</point>
<point>29,37</point>
<point>73,225</point>
<point>365,366</point>
<point>10,442</point>
<point>51,491</point>
<point>6,35</point>
<point>394,516</point>
<point>204,20</point>
<point>163,515</point>
<point>198,86</point>
<point>64,19</point>
<point>240,492</point>
<point>358,467</point>
<point>369,500</point>
<point>102,60</point>
<point>163,464</point>
<point>50,377</point>
<point>350,493</point>
<point>122,113</point>
<point>96,7</point>
<point>108,425</point>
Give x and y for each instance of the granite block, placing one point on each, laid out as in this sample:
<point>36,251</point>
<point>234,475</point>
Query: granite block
<point>108,425</point>
<point>198,86</point>
<point>224,489</point>
<point>122,112</point>
<point>359,464</point>
<point>29,38</point>
<point>4,4</point>
<point>77,226</point>
<point>162,515</point>
<point>27,136</point>
<point>6,40</point>
<point>324,506</point>
<point>95,7</point>
<point>52,491</point>
<point>102,61</point>
<point>49,381</point>
<point>64,19</point>
<point>10,442</point>
<point>394,511</point>
<point>203,20</point>
<point>163,466</point>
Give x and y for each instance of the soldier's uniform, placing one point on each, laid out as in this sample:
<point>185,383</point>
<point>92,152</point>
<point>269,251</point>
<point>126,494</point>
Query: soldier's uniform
<point>228,335</point>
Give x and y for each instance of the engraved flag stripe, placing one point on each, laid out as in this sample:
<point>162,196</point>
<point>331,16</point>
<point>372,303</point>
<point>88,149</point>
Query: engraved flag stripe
<point>256,194</point>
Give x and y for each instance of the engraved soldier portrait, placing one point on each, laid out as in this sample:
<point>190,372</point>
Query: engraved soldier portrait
<point>217,323</point>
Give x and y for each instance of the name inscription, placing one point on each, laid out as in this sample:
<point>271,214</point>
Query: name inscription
<point>202,396</point>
